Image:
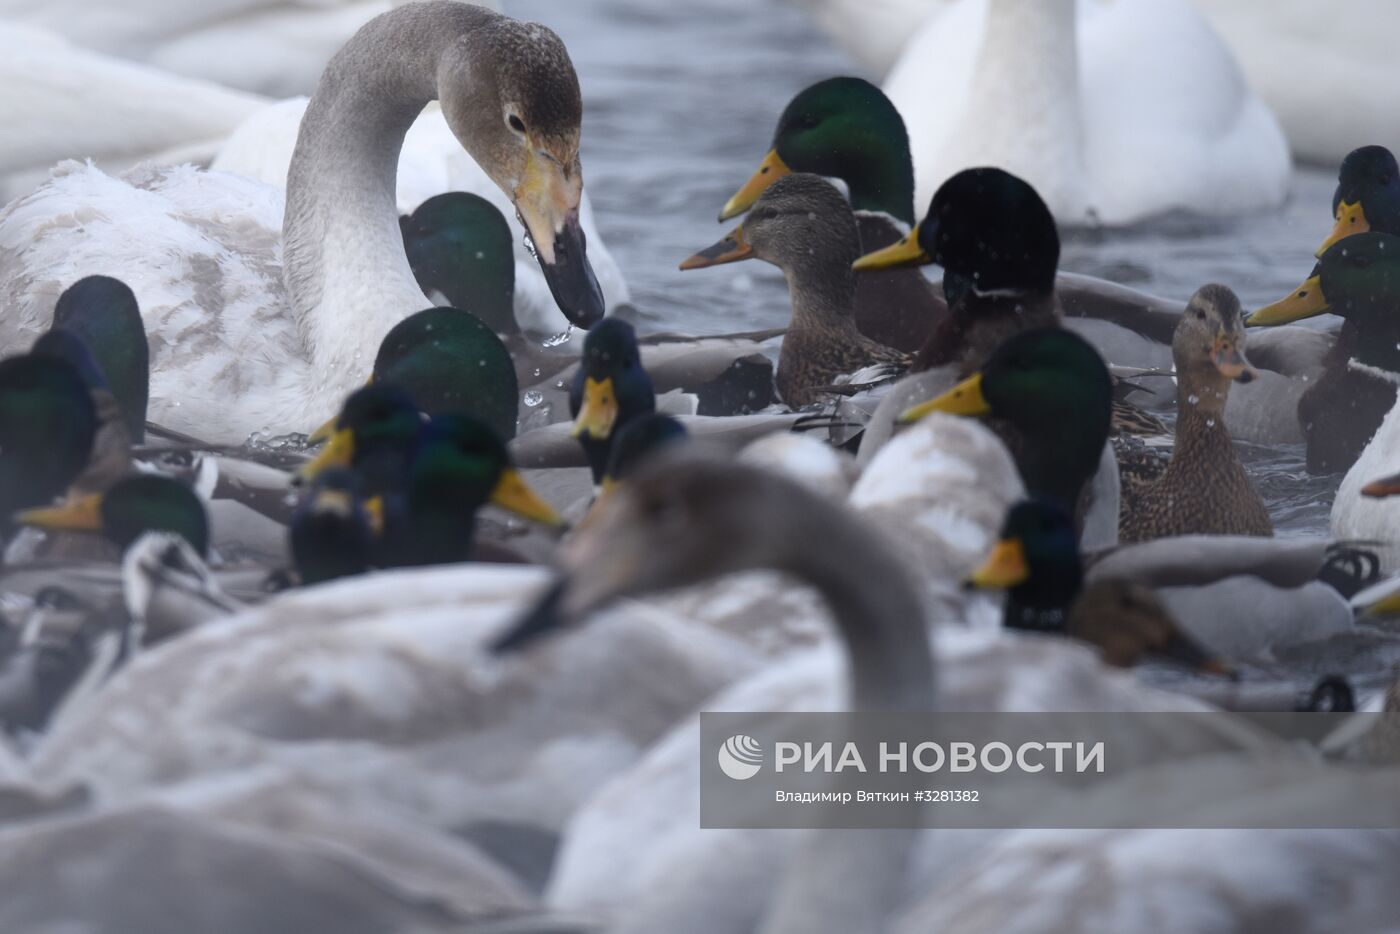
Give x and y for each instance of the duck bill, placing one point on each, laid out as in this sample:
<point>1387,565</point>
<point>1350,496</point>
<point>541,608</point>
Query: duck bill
<point>374,514</point>
<point>1380,489</point>
<point>547,201</point>
<point>732,248</point>
<point>598,413</point>
<point>1351,219</point>
<point>513,494</point>
<point>338,452</point>
<point>1306,301</point>
<point>906,252</point>
<point>965,398</point>
<point>1231,361</point>
<point>771,169</point>
<point>79,514</point>
<point>1004,568</point>
<point>324,432</point>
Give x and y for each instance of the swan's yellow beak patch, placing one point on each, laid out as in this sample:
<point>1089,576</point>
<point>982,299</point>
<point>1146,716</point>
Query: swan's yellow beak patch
<point>769,171</point>
<point>338,452</point>
<point>906,252</point>
<point>1306,301</point>
<point>546,197</point>
<point>78,514</point>
<point>732,248</point>
<point>598,413</point>
<point>1351,219</point>
<point>1005,567</point>
<point>512,493</point>
<point>965,398</point>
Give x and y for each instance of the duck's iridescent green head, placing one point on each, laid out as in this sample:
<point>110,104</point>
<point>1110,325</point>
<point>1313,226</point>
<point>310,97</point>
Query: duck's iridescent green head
<point>1036,559</point>
<point>47,426</point>
<point>376,434</point>
<point>842,128</point>
<point>102,312</point>
<point>609,390</point>
<point>1055,390</point>
<point>451,364</point>
<point>640,440</point>
<point>1357,278</point>
<point>988,229</point>
<point>330,532</point>
<point>134,506</point>
<point>1367,195</point>
<point>460,245</point>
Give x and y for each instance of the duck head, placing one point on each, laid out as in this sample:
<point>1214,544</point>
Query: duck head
<point>135,506</point>
<point>1036,559</point>
<point>609,390</point>
<point>459,245</point>
<point>102,312</point>
<point>47,428</point>
<point>842,128</point>
<point>1358,278</point>
<point>511,96</point>
<point>331,533</point>
<point>989,230</point>
<point>375,434</point>
<point>1208,346</point>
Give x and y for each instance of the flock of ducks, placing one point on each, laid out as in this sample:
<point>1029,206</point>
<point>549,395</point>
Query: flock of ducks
<point>444,673</point>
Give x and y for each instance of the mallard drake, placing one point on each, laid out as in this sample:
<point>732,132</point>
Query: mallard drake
<point>1341,409</point>
<point>134,506</point>
<point>638,440</point>
<point>331,534</point>
<point>1051,398</point>
<point>846,128</point>
<point>1204,489</point>
<point>998,246</point>
<point>102,312</point>
<point>802,225</point>
<point>47,426</point>
<point>246,343</point>
<point>1037,563</point>
<point>110,457</point>
<point>610,389</point>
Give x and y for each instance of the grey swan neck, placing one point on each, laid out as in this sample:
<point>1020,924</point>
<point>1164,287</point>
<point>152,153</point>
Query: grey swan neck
<point>850,880</point>
<point>347,277</point>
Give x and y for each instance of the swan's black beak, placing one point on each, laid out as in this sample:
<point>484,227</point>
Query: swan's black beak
<point>546,617</point>
<point>570,276</point>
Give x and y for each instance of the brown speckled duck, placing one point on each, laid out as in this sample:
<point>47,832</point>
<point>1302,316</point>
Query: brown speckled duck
<point>1204,489</point>
<point>803,226</point>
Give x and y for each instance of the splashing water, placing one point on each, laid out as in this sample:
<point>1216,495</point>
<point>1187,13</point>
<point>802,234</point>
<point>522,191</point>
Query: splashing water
<point>558,339</point>
<point>532,398</point>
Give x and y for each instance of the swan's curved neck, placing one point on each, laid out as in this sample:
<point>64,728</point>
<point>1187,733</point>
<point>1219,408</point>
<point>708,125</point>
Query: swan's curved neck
<point>347,277</point>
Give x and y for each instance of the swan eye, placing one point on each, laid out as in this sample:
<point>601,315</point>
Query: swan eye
<point>1200,315</point>
<point>515,123</point>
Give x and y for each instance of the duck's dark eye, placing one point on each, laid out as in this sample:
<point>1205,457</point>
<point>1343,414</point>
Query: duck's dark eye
<point>1200,315</point>
<point>516,123</point>
<point>808,122</point>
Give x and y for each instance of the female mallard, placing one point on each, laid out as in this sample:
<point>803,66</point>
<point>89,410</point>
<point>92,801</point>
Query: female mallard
<point>242,342</point>
<point>1341,409</point>
<point>1037,563</point>
<point>847,128</point>
<point>803,226</point>
<point>1204,489</point>
<point>999,248</point>
<point>609,390</point>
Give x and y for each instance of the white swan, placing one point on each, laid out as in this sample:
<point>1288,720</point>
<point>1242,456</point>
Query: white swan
<point>431,162</point>
<point>233,349</point>
<point>1356,516</point>
<point>1112,110</point>
<point>65,102</point>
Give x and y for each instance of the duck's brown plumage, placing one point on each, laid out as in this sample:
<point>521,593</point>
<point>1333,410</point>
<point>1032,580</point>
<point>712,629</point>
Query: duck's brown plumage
<point>1204,488</point>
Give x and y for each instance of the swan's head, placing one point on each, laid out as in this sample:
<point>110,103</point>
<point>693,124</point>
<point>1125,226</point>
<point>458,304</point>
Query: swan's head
<point>679,519</point>
<point>989,230</point>
<point>800,224</point>
<point>510,95</point>
<point>135,506</point>
<point>842,128</point>
<point>1210,339</point>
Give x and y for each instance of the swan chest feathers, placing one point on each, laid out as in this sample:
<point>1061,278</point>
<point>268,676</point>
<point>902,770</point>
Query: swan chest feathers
<point>202,252</point>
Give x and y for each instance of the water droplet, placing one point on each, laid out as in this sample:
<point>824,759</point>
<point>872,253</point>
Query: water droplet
<point>532,398</point>
<point>1193,399</point>
<point>1210,423</point>
<point>530,246</point>
<point>558,339</point>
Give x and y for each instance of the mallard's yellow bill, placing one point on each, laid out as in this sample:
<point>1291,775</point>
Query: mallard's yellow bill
<point>323,433</point>
<point>79,514</point>
<point>374,512</point>
<point>512,493</point>
<point>1307,301</point>
<point>1351,219</point>
<point>1231,361</point>
<point>1005,567</point>
<point>598,413</point>
<point>1389,605</point>
<point>772,169</point>
<point>338,452</point>
<point>905,252</point>
<point>1386,486</point>
<point>731,249</point>
<point>963,399</point>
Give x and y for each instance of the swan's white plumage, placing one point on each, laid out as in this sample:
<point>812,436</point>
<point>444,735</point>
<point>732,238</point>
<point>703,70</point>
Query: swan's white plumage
<point>1155,117</point>
<point>431,162</point>
<point>1372,520</point>
<point>62,101</point>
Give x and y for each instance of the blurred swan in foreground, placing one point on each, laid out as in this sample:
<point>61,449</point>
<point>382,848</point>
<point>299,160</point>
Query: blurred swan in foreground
<point>244,339</point>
